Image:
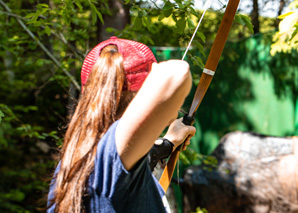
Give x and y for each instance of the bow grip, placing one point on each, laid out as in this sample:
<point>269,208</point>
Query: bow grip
<point>188,120</point>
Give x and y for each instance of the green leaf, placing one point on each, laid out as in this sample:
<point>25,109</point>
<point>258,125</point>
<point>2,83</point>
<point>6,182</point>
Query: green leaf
<point>99,15</point>
<point>1,115</point>
<point>180,24</point>
<point>143,13</point>
<point>197,61</point>
<point>47,30</point>
<point>174,18</point>
<point>127,1</point>
<point>247,23</point>
<point>201,36</point>
<point>201,48</point>
<point>94,13</point>
<point>181,41</point>
<point>146,21</point>
<point>284,15</point>
<point>190,23</point>
<point>168,5</point>
<point>110,29</point>
<point>161,17</point>
<point>93,16</point>
<point>37,23</point>
<point>30,15</point>
<point>238,19</point>
<point>44,10</point>
<point>33,19</point>
<point>79,6</point>
<point>138,23</point>
<point>184,159</point>
<point>167,13</point>
<point>14,195</point>
<point>193,11</point>
<point>43,5</point>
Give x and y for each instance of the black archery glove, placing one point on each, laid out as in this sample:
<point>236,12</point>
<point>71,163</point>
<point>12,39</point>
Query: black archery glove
<point>161,150</point>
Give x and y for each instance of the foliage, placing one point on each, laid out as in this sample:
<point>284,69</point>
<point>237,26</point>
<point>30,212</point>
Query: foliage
<point>199,210</point>
<point>189,156</point>
<point>244,20</point>
<point>39,42</point>
<point>286,39</point>
<point>176,20</point>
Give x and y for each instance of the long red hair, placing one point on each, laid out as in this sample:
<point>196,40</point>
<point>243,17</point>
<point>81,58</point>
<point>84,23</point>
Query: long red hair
<point>101,104</point>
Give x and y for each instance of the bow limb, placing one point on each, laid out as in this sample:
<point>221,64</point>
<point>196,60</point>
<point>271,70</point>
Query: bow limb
<point>205,80</point>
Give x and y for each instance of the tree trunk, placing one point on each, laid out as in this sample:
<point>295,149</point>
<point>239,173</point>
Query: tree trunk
<point>118,19</point>
<point>255,173</point>
<point>255,17</point>
<point>73,92</point>
<point>282,4</point>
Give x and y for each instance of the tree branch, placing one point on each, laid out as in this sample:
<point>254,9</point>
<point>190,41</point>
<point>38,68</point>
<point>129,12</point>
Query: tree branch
<point>49,54</point>
<point>60,36</point>
<point>13,15</point>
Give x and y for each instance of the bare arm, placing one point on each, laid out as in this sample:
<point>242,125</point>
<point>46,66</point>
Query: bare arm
<point>153,108</point>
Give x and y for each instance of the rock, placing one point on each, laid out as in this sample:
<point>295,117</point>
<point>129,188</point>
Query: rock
<point>255,173</point>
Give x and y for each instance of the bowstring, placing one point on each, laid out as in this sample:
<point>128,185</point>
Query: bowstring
<point>206,6</point>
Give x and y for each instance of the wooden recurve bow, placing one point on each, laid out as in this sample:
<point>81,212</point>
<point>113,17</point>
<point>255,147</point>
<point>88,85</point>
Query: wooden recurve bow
<point>205,80</point>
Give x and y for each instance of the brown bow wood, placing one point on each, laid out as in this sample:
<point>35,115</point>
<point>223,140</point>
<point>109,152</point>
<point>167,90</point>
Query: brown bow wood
<point>205,80</point>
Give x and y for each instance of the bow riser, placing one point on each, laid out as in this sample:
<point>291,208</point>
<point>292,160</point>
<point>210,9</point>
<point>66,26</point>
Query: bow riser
<point>202,88</point>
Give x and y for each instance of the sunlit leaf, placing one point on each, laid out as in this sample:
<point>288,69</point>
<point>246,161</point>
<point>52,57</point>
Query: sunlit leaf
<point>288,22</point>
<point>294,34</point>
<point>293,5</point>
<point>285,15</point>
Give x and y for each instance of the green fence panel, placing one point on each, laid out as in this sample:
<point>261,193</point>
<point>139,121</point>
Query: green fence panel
<point>242,95</point>
<point>251,91</point>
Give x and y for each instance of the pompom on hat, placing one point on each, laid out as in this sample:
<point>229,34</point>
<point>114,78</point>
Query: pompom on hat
<point>137,61</point>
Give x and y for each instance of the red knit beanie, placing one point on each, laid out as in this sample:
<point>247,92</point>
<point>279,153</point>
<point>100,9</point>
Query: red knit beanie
<point>137,61</point>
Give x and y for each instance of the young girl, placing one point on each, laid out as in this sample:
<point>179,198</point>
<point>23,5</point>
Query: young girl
<point>104,165</point>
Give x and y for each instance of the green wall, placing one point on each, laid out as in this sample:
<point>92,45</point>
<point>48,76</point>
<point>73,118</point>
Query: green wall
<point>251,91</point>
